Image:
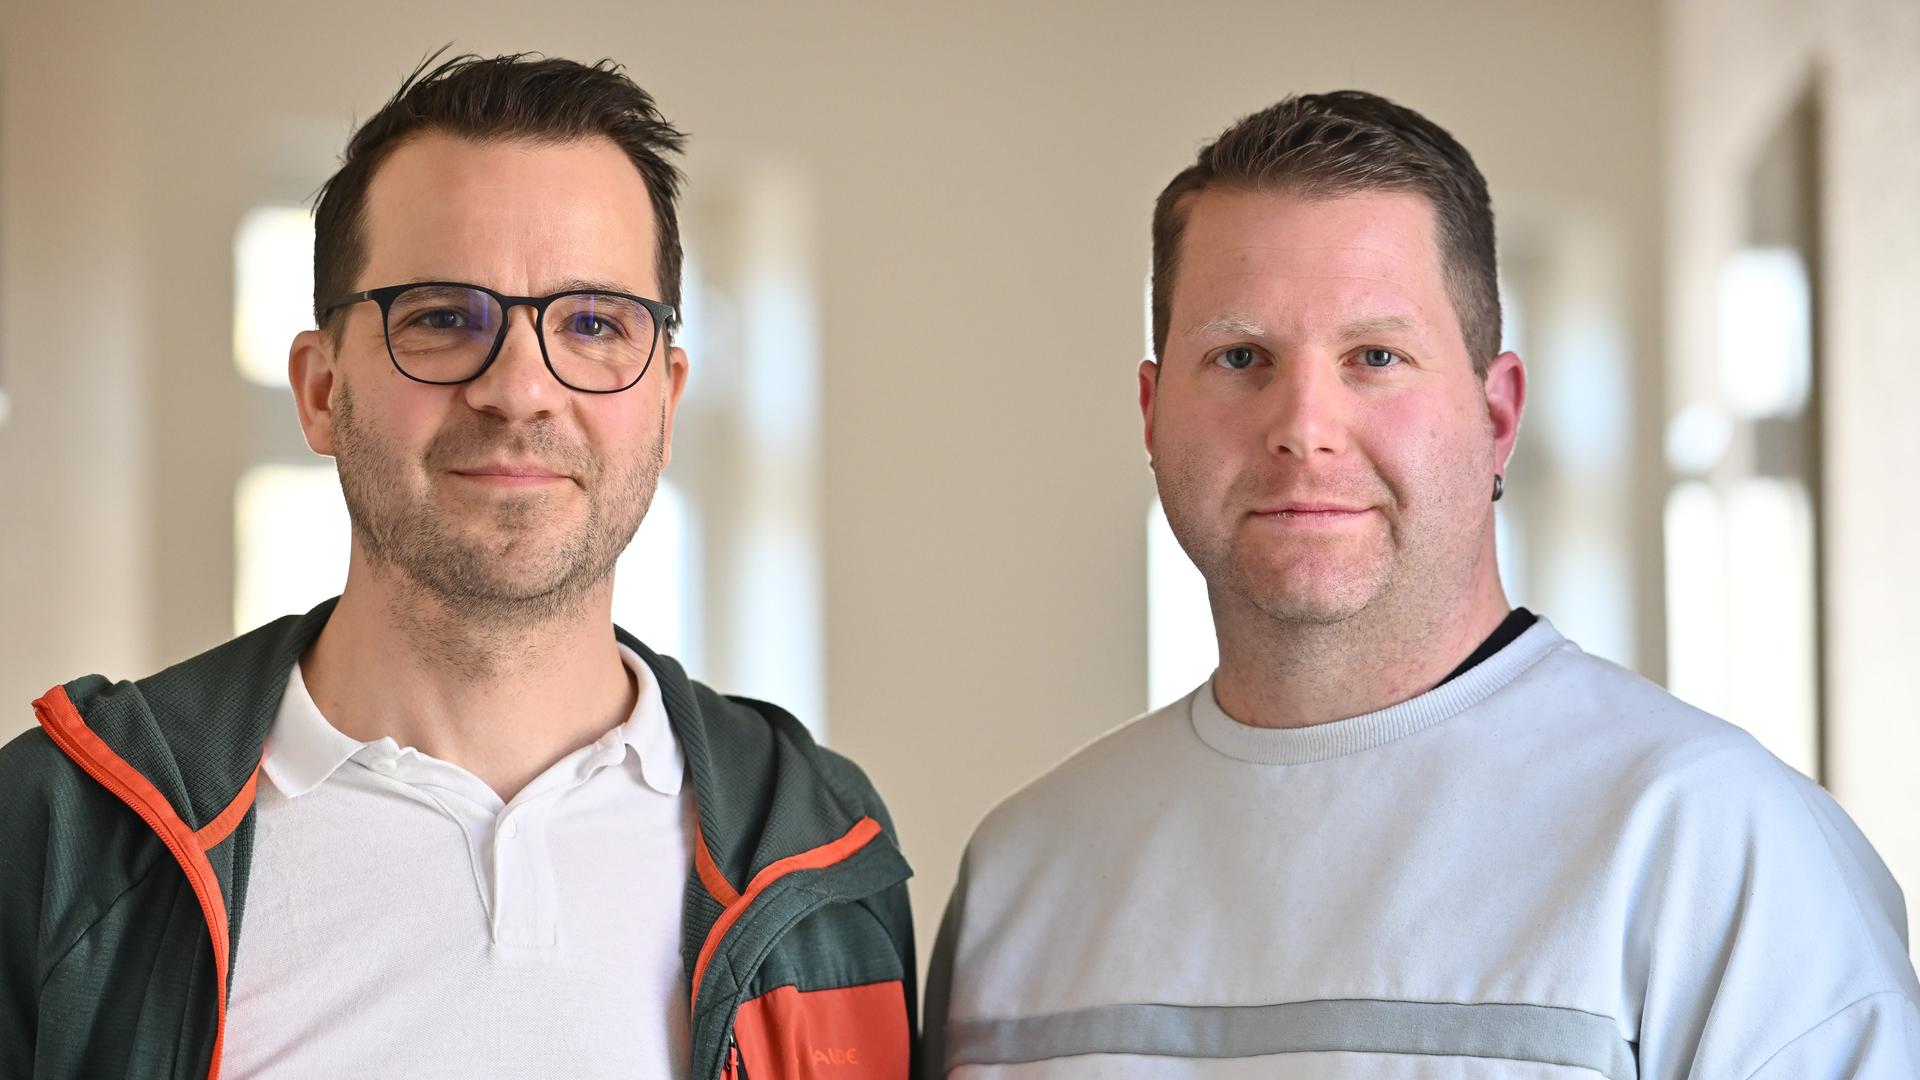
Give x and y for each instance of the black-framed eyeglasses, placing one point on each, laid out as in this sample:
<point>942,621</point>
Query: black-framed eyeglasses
<point>447,332</point>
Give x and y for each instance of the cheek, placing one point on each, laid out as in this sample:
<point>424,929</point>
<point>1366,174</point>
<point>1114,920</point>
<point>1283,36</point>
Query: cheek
<point>408,423</point>
<point>412,430</point>
<point>615,430</point>
<point>1217,426</point>
<point>1204,449</point>
<point>1419,445</point>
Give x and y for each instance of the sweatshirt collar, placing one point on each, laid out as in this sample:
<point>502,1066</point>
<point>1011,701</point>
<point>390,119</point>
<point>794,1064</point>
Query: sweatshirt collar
<point>1298,746</point>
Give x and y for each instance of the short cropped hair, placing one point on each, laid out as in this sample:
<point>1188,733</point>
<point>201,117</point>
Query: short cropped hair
<point>517,97</point>
<point>1323,146</point>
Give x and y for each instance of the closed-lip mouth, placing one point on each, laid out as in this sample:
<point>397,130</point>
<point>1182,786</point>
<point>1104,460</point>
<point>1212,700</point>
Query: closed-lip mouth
<point>1309,508</point>
<point>508,469</point>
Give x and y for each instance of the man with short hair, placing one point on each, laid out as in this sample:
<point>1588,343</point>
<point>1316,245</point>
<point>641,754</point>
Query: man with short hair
<point>1404,830</point>
<point>456,823</point>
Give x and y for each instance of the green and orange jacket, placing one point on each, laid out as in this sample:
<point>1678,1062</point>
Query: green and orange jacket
<point>126,834</point>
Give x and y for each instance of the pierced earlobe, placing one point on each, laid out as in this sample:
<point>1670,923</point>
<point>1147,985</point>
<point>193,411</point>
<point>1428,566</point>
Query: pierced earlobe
<point>1499,486</point>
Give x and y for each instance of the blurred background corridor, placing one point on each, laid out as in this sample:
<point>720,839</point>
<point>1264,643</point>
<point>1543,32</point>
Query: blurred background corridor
<point>908,498</point>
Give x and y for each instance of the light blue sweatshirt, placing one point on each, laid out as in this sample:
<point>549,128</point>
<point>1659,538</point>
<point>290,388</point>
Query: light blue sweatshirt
<point>1546,868</point>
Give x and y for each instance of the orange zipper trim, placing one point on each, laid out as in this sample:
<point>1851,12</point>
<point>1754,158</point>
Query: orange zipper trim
<point>222,826</point>
<point>70,733</point>
<point>819,858</point>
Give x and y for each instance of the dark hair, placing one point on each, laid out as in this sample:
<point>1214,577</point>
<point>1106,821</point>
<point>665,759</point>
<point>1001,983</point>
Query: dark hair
<point>522,96</point>
<point>1323,146</point>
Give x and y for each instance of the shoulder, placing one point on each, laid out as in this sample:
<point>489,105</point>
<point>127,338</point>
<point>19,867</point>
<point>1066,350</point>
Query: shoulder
<point>34,775</point>
<point>847,779</point>
<point>69,847</point>
<point>1588,689</point>
<point>744,729</point>
<point>1636,734</point>
<point>195,729</point>
<point>1084,785</point>
<point>1654,752</point>
<point>1723,839</point>
<point>41,787</point>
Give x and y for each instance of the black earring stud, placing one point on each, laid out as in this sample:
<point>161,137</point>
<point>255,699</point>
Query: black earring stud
<point>1499,486</point>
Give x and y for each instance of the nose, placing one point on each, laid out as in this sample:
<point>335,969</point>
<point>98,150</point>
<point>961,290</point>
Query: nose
<point>1305,409</point>
<point>517,385</point>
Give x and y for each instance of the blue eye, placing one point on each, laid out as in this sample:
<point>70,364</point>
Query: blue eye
<point>1239,357</point>
<point>592,326</point>
<point>1379,358</point>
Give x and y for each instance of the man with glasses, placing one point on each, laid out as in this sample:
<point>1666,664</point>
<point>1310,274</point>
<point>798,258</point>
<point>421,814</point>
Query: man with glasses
<point>1404,830</point>
<point>455,823</point>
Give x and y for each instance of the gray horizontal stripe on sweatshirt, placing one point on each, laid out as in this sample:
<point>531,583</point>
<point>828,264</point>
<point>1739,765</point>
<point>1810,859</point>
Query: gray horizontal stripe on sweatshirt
<point>1536,1033</point>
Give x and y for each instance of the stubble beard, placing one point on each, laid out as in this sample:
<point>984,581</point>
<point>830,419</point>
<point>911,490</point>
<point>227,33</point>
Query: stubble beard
<point>1316,588</point>
<point>508,576</point>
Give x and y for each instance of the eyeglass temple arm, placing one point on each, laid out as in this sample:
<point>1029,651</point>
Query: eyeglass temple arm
<point>346,301</point>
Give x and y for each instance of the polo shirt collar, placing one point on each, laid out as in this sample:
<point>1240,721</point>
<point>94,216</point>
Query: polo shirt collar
<point>304,749</point>
<point>648,734</point>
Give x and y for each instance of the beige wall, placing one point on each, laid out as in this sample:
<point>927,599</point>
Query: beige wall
<point>1736,68</point>
<point>982,175</point>
<point>74,497</point>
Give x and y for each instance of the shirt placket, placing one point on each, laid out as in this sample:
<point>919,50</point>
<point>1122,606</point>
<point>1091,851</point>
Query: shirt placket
<point>524,904</point>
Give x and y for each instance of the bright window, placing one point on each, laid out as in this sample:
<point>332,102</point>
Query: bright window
<point>1740,609</point>
<point>272,289</point>
<point>290,541</point>
<point>655,581</point>
<point>1766,331</point>
<point>1181,652</point>
<point>1742,605</point>
<point>1181,649</point>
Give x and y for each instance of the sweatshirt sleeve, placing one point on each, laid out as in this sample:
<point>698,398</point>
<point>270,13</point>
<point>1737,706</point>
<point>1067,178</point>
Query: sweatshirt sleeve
<point>933,1040</point>
<point>1875,1038</point>
<point>1772,941</point>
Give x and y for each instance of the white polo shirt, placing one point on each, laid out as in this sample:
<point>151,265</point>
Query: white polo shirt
<point>401,920</point>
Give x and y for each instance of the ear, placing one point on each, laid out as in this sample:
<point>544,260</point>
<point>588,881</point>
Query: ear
<point>1149,386</point>
<point>310,373</point>
<point>677,371</point>
<point>1506,393</point>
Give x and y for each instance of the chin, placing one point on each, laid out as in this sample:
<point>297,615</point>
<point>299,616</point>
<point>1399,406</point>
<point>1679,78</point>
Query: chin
<point>1313,593</point>
<point>1309,610</point>
<point>522,565</point>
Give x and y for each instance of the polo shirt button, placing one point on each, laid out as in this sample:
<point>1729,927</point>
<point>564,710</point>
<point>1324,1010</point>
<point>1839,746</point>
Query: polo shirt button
<point>384,765</point>
<point>511,829</point>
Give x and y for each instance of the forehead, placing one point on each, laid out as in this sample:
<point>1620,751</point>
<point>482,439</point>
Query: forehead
<point>1264,248</point>
<point>507,213</point>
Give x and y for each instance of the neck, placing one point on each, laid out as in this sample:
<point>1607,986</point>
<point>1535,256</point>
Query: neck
<point>1296,674</point>
<point>502,698</point>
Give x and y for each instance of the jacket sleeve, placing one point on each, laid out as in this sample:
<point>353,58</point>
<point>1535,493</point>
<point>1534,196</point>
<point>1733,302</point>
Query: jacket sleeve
<point>24,824</point>
<point>892,907</point>
<point>895,911</point>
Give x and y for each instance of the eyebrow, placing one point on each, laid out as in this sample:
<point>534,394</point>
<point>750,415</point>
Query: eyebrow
<point>1379,324</point>
<point>589,285</point>
<point>1234,324</point>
